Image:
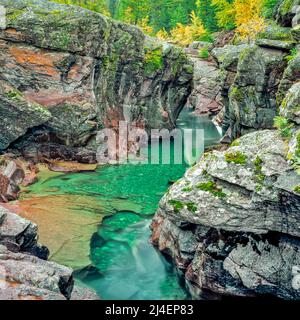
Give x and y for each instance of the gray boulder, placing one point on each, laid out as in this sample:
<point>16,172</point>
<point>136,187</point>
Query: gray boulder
<point>31,276</point>
<point>231,225</point>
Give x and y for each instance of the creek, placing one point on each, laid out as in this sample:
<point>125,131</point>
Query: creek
<point>98,222</point>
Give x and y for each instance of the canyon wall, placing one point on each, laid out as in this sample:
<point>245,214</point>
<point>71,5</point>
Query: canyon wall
<point>231,225</point>
<point>66,72</point>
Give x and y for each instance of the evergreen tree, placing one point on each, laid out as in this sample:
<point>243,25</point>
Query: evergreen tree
<point>207,14</point>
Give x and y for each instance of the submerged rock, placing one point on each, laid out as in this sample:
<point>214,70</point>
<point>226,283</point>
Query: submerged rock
<point>70,166</point>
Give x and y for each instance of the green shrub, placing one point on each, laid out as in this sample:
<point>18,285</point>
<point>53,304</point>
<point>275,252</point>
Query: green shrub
<point>207,37</point>
<point>153,60</point>
<point>258,188</point>
<point>258,164</point>
<point>269,7</point>
<point>178,206</point>
<point>296,157</point>
<point>235,143</point>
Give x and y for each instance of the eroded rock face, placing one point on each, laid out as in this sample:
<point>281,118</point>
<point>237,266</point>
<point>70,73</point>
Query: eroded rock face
<point>250,76</point>
<point>205,97</point>
<point>32,273</point>
<point>24,272</point>
<point>12,106</point>
<point>80,71</point>
<point>232,223</point>
<point>255,78</point>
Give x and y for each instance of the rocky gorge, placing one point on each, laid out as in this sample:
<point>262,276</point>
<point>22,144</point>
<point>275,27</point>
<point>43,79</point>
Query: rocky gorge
<point>231,225</point>
<point>66,73</point>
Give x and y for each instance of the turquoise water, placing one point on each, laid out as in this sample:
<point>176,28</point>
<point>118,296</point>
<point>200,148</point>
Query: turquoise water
<point>124,264</point>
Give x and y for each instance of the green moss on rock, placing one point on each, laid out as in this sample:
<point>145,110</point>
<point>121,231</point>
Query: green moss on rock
<point>211,187</point>
<point>235,143</point>
<point>153,60</point>
<point>297,189</point>
<point>191,207</point>
<point>236,94</point>
<point>177,205</point>
<point>236,157</point>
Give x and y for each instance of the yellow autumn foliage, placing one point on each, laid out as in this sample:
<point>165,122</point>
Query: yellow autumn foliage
<point>186,34</point>
<point>248,18</point>
<point>248,30</point>
<point>163,35</point>
<point>144,25</point>
<point>244,15</point>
